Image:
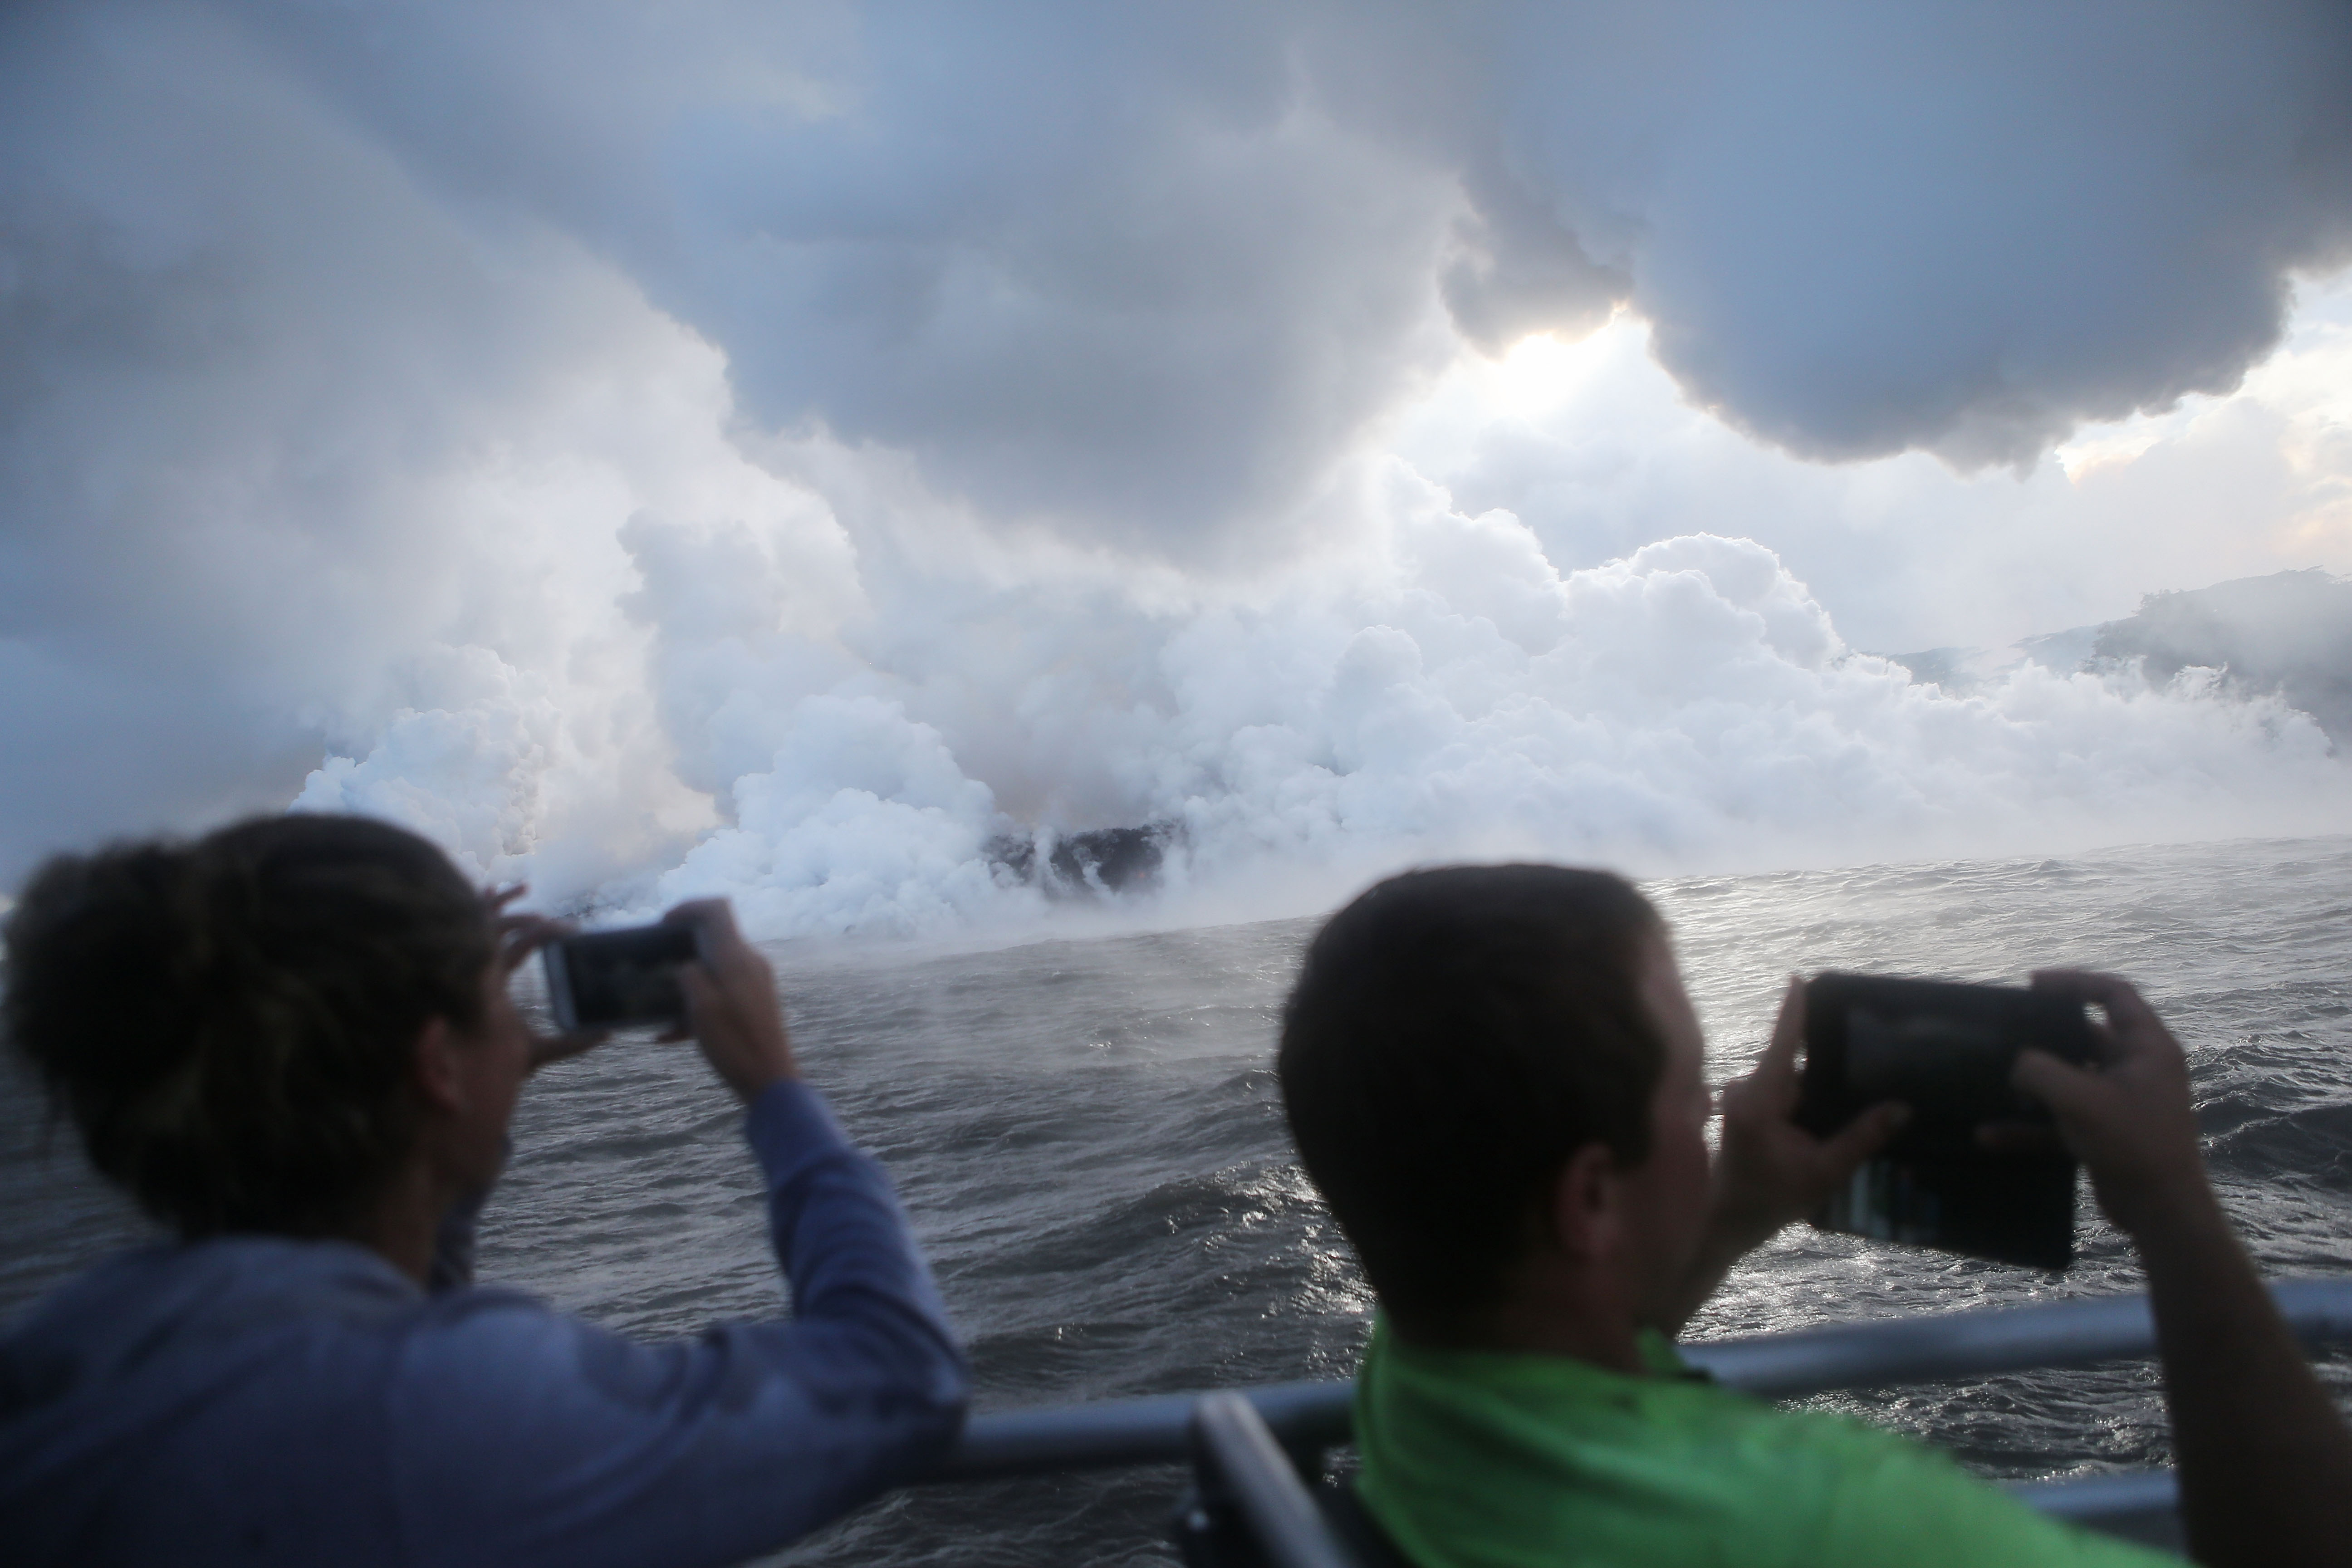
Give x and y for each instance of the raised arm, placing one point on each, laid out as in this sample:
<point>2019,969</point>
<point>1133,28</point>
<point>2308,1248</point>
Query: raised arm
<point>521,1436</point>
<point>2265,1459</point>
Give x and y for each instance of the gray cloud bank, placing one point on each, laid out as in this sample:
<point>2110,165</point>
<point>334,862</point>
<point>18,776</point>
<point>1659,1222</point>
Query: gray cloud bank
<point>1146,267</point>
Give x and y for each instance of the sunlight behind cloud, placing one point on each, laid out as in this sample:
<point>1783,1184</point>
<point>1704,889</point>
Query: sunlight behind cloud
<point>2301,397</point>
<point>1595,449</point>
<point>2122,441</point>
<point>1542,371</point>
<point>2311,384</point>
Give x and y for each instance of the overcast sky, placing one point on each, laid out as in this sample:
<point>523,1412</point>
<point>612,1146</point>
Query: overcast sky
<point>774,448</point>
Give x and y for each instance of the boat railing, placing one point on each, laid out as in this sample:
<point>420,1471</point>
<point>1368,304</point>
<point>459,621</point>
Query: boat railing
<point>1241,1473</point>
<point>1302,1421</point>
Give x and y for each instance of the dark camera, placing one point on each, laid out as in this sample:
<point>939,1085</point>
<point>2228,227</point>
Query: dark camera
<point>613,979</point>
<point>1945,1049</point>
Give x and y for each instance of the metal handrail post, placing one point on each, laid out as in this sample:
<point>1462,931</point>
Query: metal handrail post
<point>1241,1464</point>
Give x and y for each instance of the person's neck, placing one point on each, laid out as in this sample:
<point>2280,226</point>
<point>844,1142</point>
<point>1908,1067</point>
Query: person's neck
<point>1540,1322</point>
<point>404,1221</point>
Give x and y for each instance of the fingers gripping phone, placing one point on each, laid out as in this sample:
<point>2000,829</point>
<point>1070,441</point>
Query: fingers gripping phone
<point>1945,1049</point>
<point>620,979</point>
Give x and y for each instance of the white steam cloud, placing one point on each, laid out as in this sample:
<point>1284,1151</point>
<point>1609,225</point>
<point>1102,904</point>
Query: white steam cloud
<point>783,450</point>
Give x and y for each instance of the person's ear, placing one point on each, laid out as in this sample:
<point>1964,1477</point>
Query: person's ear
<point>440,1078</point>
<point>1588,1210</point>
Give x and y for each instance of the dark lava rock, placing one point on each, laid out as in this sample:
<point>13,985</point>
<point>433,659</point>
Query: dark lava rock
<point>1101,860</point>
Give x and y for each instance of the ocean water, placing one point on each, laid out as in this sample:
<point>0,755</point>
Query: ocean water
<point>1090,1137</point>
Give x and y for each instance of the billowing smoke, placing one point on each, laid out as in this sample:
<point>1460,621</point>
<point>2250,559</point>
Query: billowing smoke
<point>803,450</point>
<point>1456,695</point>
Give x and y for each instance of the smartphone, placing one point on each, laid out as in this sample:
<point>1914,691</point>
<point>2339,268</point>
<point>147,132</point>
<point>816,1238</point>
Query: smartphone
<point>616,979</point>
<point>1946,1049</point>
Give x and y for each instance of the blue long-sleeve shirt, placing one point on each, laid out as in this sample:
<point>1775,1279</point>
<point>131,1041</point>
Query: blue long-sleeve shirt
<point>265,1401</point>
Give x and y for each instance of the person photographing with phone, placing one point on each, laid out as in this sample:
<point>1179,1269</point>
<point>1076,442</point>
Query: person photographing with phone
<point>1494,1075</point>
<point>292,1042</point>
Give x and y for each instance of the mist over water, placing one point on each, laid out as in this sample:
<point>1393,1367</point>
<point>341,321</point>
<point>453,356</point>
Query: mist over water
<point>1089,1136</point>
<point>1691,705</point>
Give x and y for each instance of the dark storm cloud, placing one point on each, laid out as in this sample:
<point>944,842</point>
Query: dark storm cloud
<point>1142,270</point>
<point>1115,267</point>
<point>1859,228</point>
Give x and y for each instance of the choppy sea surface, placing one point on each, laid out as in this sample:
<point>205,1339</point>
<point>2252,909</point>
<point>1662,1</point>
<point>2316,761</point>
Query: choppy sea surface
<point>1090,1137</point>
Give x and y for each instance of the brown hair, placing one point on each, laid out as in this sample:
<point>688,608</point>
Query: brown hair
<point>1455,1035</point>
<point>229,1022</point>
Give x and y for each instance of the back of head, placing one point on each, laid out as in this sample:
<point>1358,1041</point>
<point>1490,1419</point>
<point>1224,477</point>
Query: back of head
<point>230,1022</point>
<point>1454,1036</point>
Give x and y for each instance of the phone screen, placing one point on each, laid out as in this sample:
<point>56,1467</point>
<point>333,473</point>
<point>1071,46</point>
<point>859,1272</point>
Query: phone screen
<point>1946,1049</point>
<point>613,979</point>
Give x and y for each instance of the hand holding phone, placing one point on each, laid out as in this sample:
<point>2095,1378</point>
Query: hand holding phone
<point>2131,1119</point>
<point>1773,1170</point>
<point>1947,1050</point>
<point>518,936</point>
<point>618,979</point>
<point>692,974</point>
<point>733,1010</point>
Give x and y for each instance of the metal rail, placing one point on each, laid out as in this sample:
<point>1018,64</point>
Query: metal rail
<point>1239,1463</point>
<point>1950,1345</point>
<point>1112,1433</point>
<point>1922,1348</point>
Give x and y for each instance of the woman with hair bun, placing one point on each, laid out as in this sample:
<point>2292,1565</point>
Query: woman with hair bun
<point>291,1042</point>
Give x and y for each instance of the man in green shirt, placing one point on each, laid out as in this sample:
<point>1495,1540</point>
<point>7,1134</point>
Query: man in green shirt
<point>1494,1077</point>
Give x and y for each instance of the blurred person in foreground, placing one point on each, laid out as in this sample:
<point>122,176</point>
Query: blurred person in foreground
<point>292,1042</point>
<point>1494,1077</point>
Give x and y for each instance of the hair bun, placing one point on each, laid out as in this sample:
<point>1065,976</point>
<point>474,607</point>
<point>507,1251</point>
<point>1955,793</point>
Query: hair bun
<point>229,1022</point>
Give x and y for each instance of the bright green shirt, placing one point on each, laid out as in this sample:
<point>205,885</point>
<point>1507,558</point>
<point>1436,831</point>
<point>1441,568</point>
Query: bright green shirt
<point>1485,1459</point>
